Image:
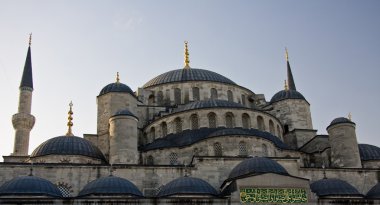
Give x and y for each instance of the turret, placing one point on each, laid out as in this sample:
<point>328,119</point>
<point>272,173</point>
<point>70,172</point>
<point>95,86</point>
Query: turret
<point>112,98</point>
<point>343,142</point>
<point>123,138</point>
<point>23,121</point>
<point>293,110</point>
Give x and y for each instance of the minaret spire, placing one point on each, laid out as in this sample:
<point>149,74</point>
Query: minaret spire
<point>70,124</point>
<point>23,121</point>
<point>187,60</point>
<point>291,84</point>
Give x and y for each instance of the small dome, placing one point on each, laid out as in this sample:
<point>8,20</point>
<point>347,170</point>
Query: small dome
<point>369,152</point>
<point>183,75</point>
<point>209,104</point>
<point>333,187</point>
<point>259,165</point>
<point>110,185</point>
<point>117,88</point>
<point>340,120</point>
<point>68,145</point>
<point>124,112</point>
<point>374,192</point>
<point>287,94</point>
<point>187,185</point>
<point>29,185</point>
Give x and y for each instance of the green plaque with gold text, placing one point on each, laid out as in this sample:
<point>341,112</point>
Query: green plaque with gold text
<point>273,195</point>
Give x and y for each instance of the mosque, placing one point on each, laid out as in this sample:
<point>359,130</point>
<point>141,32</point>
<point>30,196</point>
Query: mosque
<point>191,136</point>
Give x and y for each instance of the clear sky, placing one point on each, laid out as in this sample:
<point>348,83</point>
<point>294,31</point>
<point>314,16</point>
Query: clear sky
<point>78,46</point>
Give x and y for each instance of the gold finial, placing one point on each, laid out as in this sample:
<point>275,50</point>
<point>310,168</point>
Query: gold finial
<point>70,118</point>
<point>117,77</point>
<point>30,39</point>
<point>187,61</point>
<point>286,85</point>
<point>286,54</point>
<point>350,116</point>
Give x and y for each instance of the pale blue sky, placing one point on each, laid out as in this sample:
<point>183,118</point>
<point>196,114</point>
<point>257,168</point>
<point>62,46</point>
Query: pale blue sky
<point>78,46</point>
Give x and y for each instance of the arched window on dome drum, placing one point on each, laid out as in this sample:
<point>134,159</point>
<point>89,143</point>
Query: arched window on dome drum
<point>152,134</point>
<point>196,96</point>
<point>194,121</point>
<point>218,149</point>
<point>211,120</point>
<point>177,96</point>
<point>167,97</point>
<point>151,99</point>
<point>260,123</point>
<point>160,98</point>
<point>264,150</point>
<point>164,129</point>
<point>173,158</point>
<point>278,131</point>
<point>230,96</point>
<point>214,93</point>
<point>178,125</point>
<point>271,127</point>
<point>229,120</point>
<point>150,160</point>
<point>243,149</point>
<point>246,120</point>
<point>243,99</point>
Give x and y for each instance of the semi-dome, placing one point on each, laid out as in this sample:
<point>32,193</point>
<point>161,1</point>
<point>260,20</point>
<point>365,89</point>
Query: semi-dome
<point>190,74</point>
<point>287,94</point>
<point>187,186</point>
<point>118,88</point>
<point>333,187</point>
<point>125,112</point>
<point>257,165</point>
<point>29,186</point>
<point>339,120</point>
<point>374,192</point>
<point>369,152</point>
<point>214,103</point>
<point>110,185</point>
<point>68,145</point>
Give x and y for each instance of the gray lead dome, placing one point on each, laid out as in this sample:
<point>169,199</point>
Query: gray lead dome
<point>333,187</point>
<point>187,185</point>
<point>29,185</point>
<point>287,94</point>
<point>118,88</point>
<point>68,145</point>
<point>190,74</point>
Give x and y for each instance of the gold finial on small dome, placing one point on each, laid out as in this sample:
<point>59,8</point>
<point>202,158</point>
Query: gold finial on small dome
<point>286,54</point>
<point>70,118</point>
<point>30,39</point>
<point>350,116</point>
<point>187,60</point>
<point>117,77</point>
<point>286,85</point>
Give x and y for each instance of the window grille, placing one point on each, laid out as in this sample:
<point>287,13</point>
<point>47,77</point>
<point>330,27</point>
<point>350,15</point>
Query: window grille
<point>230,96</point>
<point>212,120</point>
<point>194,122</point>
<point>214,93</point>
<point>178,125</point>
<point>160,98</point>
<point>246,121</point>
<point>164,128</point>
<point>229,120</point>
<point>177,96</point>
<point>173,158</point>
<point>218,149</point>
<point>150,160</point>
<point>196,96</point>
<point>260,123</point>
<point>243,149</point>
<point>65,189</point>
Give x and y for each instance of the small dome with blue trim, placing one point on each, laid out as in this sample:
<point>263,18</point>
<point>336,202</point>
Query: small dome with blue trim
<point>124,112</point>
<point>110,185</point>
<point>369,152</point>
<point>333,187</point>
<point>287,94</point>
<point>116,88</point>
<point>190,74</point>
<point>374,192</point>
<point>214,103</point>
<point>257,165</point>
<point>68,145</point>
<point>29,186</point>
<point>339,120</point>
<point>187,186</point>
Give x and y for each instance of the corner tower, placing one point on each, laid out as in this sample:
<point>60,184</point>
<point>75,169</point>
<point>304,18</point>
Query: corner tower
<point>293,110</point>
<point>23,121</point>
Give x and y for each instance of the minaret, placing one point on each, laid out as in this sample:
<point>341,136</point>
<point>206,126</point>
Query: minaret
<point>291,84</point>
<point>23,121</point>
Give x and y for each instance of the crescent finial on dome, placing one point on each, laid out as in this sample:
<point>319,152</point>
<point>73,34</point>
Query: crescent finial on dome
<point>70,118</point>
<point>187,60</point>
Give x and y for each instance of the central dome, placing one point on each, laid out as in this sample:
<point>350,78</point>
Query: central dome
<point>191,74</point>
